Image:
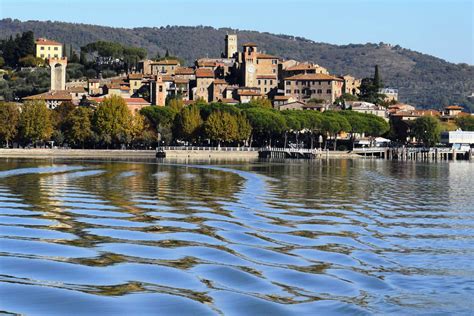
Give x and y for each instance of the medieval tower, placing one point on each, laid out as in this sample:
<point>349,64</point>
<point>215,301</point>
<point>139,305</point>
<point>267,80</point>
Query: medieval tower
<point>58,73</point>
<point>230,45</point>
<point>249,60</point>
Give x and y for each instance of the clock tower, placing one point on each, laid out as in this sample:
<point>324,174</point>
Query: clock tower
<point>249,60</point>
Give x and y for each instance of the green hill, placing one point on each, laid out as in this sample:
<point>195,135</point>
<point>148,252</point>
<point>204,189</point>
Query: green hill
<point>422,80</point>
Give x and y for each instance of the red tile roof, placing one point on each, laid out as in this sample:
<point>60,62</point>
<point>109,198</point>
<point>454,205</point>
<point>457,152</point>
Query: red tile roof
<point>166,62</point>
<point>281,98</point>
<point>266,77</point>
<point>204,73</point>
<point>44,41</point>
<point>220,81</point>
<point>135,76</point>
<point>60,95</point>
<point>184,71</point>
<point>315,77</point>
<point>454,107</point>
<point>301,67</point>
<point>250,44</point>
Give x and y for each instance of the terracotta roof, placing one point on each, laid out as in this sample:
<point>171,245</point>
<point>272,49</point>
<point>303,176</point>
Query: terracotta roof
<point>45,41</point>
<point>166,62</point>
<point>204,73</point>
<point>454,107</point>
<point>207,63</point>
<point>407,114</point>
<point>220,81</point>
<point>60,95</point>
<point>229,101</point>
<point>300,67</point>
<point>315,77</point>
<point>266,56</point>
<point>281,98</point>
<point>181,80</point>
<point>135,76</point>
<point>94,80</point>
<point>167,78</point>
<point>249,93</point>
<point>76,89</point>
<point>250,44</point>
<point>266,77</point>
<point>124,88</point>
<point>184,71</point>
<point>428,112</point>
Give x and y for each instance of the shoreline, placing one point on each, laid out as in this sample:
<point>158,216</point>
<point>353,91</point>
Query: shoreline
<point>149,154</point>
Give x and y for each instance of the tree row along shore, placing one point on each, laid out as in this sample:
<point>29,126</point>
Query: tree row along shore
<point>111,125</point>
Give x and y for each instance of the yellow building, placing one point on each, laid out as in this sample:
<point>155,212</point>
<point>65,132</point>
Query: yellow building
<point>46,48</point>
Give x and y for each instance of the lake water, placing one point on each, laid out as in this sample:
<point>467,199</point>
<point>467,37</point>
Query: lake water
<point>294,237</point>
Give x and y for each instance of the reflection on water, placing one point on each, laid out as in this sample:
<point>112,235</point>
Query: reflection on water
<point>343,236</point>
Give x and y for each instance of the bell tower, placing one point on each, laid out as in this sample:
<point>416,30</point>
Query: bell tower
<point>58,73</point>
<point>249,59</point>
<point>230,45</point>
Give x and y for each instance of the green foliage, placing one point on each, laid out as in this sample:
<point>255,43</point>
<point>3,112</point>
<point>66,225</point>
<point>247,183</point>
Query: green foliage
<point>30,61</point>
<point>427,130</point>
<point>113,121</point>
<point>14,49</point>
<point>35,122</point>
<point>9,119</point>
<point>159,115</point>
<point>24,83</point>
<point>176,104</point>
<point>79,127</point>
<point>188,123</point>
<point>221,127</point>
<point>346,97</point>
<point>466,123</point>
<point>369,89</point>
<point>265,122</point>
<point>261,102</point>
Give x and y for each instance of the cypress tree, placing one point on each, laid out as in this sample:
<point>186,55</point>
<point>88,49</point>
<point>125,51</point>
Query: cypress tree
<point>377,80</point>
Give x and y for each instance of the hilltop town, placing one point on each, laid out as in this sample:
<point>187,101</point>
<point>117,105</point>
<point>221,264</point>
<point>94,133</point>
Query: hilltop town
<point>236,78</point>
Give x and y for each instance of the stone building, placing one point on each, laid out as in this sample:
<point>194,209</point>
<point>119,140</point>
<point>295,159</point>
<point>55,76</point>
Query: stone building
<point>313,86</point>
<point>351,85</point>
<point>164,67</point>
<point>204,81</point>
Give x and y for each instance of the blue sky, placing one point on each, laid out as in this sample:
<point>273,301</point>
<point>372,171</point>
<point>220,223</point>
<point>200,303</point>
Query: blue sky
<point>443,28</point>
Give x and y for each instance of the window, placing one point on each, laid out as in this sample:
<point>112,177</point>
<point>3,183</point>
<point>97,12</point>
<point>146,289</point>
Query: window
<point>265,90</point>
<point>42,55</point>
<point>271,82</point>
<point>296,91</point>
<point>161,89</point>
<point>49,48</point>
<point>288,91</point>
<point>56,48</point>
<point>259,82</point>
<point>288,82</point>
<point>42,48</point>
<point>328,91</point>
<point>274,71</point>
<point>56,55</point>
<point>320,91</point>
<point>265,82</point>
<point>319,82</point>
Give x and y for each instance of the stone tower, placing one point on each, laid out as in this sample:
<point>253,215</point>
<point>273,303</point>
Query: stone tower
<point>230,45</point>
<point>249,60</point>
<point>58,73</point>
